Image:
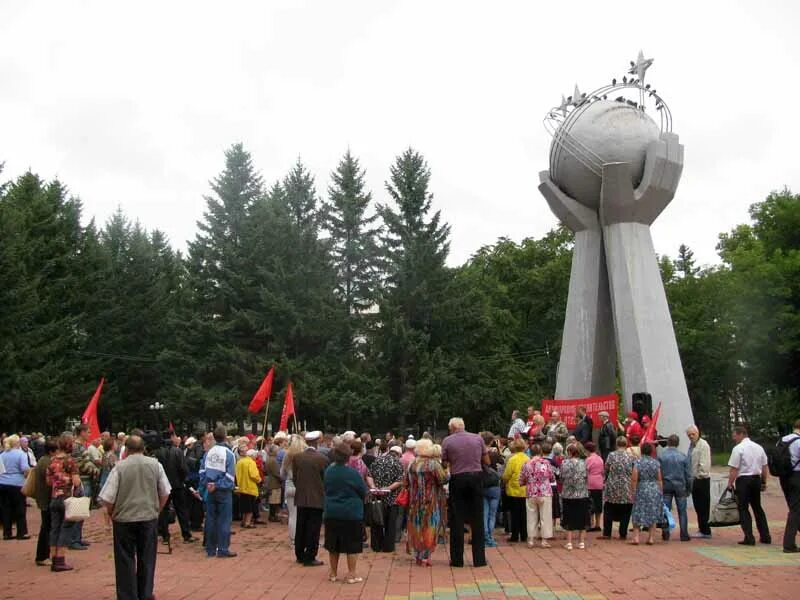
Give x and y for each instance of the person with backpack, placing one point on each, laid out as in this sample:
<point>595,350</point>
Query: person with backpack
<point>748,475</point>
<point>787,466</point>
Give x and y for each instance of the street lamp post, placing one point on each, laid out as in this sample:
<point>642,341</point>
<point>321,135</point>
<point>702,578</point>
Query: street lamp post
<point>157,407</point>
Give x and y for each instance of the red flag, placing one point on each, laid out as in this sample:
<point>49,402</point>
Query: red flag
<point>90,414</point>
<point>264,391</point>
<point>650,434</point>
<point>171,427</point>
<point>288,408</point>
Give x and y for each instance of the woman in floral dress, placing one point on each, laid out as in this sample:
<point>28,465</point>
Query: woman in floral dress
<point>648,504</point>
<point>425,481</point>
<point>617,492</point>
<point>575,496</point>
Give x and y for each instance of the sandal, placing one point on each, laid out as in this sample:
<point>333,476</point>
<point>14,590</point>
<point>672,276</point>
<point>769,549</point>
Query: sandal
<point>568,546</point>
<point>354,580</point>
<point>582,546</point>
<point>650,542</point>
<point>331,577</point>
<point>634,543</point>
<point>545,544</point>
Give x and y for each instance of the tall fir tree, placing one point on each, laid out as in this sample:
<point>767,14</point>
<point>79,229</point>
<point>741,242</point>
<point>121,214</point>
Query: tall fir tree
<point>221,294</point>
<point>415,245</point>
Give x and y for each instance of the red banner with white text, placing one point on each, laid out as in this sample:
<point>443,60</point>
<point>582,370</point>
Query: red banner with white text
<point>594,405</point>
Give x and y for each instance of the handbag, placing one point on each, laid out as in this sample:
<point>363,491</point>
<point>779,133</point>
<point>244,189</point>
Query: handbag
<point>402,498</point>
<point>669,520</point>
<point>29,487</point>
<point>375,513</point>
<point>490,477</point>
<point>77,509</point>
<point>726,512</point>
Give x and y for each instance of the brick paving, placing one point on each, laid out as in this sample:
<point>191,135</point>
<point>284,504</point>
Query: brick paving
<point>265,568</point>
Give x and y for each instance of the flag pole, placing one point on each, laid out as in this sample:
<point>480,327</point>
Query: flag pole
<point>266,413</point>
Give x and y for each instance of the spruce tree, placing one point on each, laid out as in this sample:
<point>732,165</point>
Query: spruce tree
<point>213,321</point>
<point>353,235</point>
<point>415,247</point>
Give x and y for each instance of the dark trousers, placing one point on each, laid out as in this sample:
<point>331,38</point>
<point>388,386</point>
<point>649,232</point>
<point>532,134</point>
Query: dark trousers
<point>179,500</point>
<point>701,498</point>
<point>791,491</point>
<point>381,539</point>
<point>43,543</point>
<point>306,537</point>
<point>466,506</point>
<point>519,519</point>
<point>12,505</point>
<point>616,512</point>
<point>196,513</point>
<point>748,495</point>
<point>135,559</point>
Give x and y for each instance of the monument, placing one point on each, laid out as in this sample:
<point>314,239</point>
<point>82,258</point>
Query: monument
<point>613,170</point>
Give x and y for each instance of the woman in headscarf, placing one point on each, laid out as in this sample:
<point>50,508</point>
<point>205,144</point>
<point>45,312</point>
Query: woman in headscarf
<point>425,480</point>
<point>296,445</point>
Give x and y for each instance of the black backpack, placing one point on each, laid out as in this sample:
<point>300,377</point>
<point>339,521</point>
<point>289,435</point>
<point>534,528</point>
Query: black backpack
<point>779,459</point>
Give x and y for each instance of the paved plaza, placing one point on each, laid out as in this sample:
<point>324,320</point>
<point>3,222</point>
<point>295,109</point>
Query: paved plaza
<point>265,568</point>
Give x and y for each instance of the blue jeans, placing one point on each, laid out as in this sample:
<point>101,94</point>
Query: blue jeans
<point>683,518</point>
<point>491,499</point>
<point>219,512</point>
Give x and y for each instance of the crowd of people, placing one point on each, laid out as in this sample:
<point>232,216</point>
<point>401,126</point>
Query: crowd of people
<point>539,480</point>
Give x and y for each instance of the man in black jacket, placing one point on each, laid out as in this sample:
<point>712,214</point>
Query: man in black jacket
<point>171,458</point>
<point>193,453</point>
<point>583,430</point>
<point>607,441</point>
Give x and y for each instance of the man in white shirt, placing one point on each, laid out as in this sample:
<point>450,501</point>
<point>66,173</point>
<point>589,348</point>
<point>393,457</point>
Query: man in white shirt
<point>700,461</point>
<point>748,474</point>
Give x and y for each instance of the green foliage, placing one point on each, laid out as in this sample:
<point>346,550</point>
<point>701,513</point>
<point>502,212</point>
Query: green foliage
<point>354,304</point>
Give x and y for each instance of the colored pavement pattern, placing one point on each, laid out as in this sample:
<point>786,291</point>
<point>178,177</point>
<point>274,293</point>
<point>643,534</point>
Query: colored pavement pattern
<point>265,568</point>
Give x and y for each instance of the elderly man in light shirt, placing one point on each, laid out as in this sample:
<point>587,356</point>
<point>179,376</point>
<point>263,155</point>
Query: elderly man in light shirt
<point>136,491</point>
<point>518,426</point>
<point>700,461</point>
<point>748,474</point>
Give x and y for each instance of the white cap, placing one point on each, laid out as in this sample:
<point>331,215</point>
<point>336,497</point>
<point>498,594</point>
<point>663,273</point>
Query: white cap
<point>190,440</point>
<point>411,443</point>
<point>396,449</point>
<point>348,433</point>
<point>411,436</point>
<point>280,435</point>
<point>313,435</point>
<point>252,453</point>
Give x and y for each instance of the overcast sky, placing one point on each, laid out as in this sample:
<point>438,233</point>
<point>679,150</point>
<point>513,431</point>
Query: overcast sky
<point>133,107</point>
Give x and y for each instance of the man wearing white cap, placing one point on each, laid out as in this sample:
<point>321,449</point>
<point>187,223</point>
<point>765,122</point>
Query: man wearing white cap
<point>308,472</point>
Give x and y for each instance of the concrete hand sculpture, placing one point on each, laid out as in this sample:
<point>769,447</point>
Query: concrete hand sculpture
<point>616,307</point>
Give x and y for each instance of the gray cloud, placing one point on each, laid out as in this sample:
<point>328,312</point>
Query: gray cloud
<point>134,105</point>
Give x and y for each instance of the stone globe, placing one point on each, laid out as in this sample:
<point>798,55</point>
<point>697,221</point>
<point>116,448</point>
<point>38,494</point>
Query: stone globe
<point>614,131</point>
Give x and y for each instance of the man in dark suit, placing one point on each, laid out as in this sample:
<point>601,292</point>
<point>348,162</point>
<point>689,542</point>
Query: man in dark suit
<point>308,472</point>
<point>583,430</point>
<point>172,459</point>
